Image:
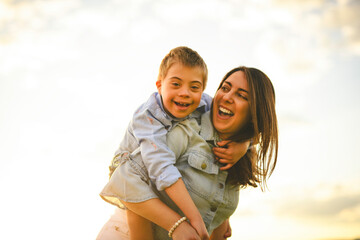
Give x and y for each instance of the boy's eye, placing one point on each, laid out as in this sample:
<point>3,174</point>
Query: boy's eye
<point>175,84</point>
<point>195,87</point>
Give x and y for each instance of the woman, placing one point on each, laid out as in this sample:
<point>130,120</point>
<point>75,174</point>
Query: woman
<point>243,108</point>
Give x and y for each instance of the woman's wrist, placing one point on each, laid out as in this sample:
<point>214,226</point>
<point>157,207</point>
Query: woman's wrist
<point>181,220</point>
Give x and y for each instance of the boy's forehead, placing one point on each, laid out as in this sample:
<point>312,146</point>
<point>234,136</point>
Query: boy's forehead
<point>180,70</point>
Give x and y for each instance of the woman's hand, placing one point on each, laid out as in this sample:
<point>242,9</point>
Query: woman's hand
<point>185,232</point>
<point>230,152</point>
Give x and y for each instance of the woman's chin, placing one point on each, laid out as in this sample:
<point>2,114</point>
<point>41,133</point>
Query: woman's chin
<point>220,125</point>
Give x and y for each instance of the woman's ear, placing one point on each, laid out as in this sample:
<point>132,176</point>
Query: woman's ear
<point>158,86</point>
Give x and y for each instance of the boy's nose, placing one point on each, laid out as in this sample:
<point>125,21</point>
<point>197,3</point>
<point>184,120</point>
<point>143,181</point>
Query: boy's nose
<point>184,91</point>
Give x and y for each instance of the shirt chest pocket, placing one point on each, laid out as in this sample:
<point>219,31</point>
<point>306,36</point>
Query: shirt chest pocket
<point>202,162</point>
<point>200,174</point>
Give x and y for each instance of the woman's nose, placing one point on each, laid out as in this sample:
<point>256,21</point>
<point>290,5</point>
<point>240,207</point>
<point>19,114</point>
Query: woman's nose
<point>228,97</point>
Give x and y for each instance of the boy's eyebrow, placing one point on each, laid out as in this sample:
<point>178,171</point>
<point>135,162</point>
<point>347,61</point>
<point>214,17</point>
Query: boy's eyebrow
<point>239,89</point>
<point>196,81</point>
<point>177,78</point>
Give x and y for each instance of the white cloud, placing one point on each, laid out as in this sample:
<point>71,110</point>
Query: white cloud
<point>336,25</point>
<point>324,202</point>
<point>345,18</point>
<point>22,17</point>
<point>183,12</point>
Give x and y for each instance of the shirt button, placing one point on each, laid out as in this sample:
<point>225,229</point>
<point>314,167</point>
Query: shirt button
<point>213,208</point>
<point>221,186</point>
<point>203,165</point>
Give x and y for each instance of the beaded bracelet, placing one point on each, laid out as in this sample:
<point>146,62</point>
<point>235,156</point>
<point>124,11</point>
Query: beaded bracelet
<point>176,225</point>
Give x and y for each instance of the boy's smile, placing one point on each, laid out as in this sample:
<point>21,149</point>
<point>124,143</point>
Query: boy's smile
<point>182,105</point>
<point>181,90</point>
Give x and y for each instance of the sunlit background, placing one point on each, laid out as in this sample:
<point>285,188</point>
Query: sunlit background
<point>72,72</point>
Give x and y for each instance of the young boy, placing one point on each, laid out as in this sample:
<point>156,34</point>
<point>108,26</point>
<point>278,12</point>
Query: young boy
<point>181,82</point>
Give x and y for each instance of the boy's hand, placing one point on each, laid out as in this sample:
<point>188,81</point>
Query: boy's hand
<point>230,152</point>
<point>185,232</point>
<point>200,229</point>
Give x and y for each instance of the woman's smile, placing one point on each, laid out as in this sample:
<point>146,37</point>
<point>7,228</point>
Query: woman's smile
<point>224,112</point>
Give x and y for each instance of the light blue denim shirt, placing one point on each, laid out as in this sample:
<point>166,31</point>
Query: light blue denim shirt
<point>147,132</point>
<point>191,145</point>
<point>206,183</point>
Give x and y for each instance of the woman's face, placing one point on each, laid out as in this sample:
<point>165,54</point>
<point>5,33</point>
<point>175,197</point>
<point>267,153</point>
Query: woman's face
<point>231,109</point>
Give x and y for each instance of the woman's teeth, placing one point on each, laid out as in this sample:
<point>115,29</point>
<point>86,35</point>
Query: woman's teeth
<point>225,111</point>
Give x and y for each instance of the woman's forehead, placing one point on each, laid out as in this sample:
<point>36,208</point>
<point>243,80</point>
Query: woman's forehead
<point>238,80</point>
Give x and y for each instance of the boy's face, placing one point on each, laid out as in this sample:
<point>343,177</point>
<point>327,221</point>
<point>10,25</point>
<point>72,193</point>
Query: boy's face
<point>181,90</point>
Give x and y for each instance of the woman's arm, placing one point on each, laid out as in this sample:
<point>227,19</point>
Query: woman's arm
<point>159,213</point>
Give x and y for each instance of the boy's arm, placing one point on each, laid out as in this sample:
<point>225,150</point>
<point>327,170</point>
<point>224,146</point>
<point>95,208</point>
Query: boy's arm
<point>150,126</point>
<point>178,142</point>
<point>160,160</point>
<point>230,152</point>
<point>181,197</point>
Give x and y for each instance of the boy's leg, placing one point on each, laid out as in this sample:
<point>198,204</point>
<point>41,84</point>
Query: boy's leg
<point>140,228</point>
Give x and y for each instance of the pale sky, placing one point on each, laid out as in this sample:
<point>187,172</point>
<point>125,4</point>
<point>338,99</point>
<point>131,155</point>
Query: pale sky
<point>72,72</point>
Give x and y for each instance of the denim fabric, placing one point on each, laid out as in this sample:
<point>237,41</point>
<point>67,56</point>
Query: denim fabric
<point>200,172</point>
<point>147,130</point>
<point>205,182</point>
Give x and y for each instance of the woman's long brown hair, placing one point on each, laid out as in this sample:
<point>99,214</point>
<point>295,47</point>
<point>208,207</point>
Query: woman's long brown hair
<point>257,165</point>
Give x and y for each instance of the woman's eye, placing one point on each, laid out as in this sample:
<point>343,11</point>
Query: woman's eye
<point>225,88</point>
<point>242,96</point>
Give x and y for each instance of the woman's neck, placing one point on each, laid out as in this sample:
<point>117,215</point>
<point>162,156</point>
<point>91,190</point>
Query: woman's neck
<point>223,136</point>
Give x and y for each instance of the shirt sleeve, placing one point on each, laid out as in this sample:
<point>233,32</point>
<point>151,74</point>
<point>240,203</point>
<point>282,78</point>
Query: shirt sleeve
<point>150,133</point>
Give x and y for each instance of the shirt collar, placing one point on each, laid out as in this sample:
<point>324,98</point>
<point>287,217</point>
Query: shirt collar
<point>202,106</point>
<point>207,131</point>
<point>160,102</point>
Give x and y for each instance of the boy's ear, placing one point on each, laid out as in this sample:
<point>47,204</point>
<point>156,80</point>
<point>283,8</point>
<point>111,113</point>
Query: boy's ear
<point>158,85</point>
